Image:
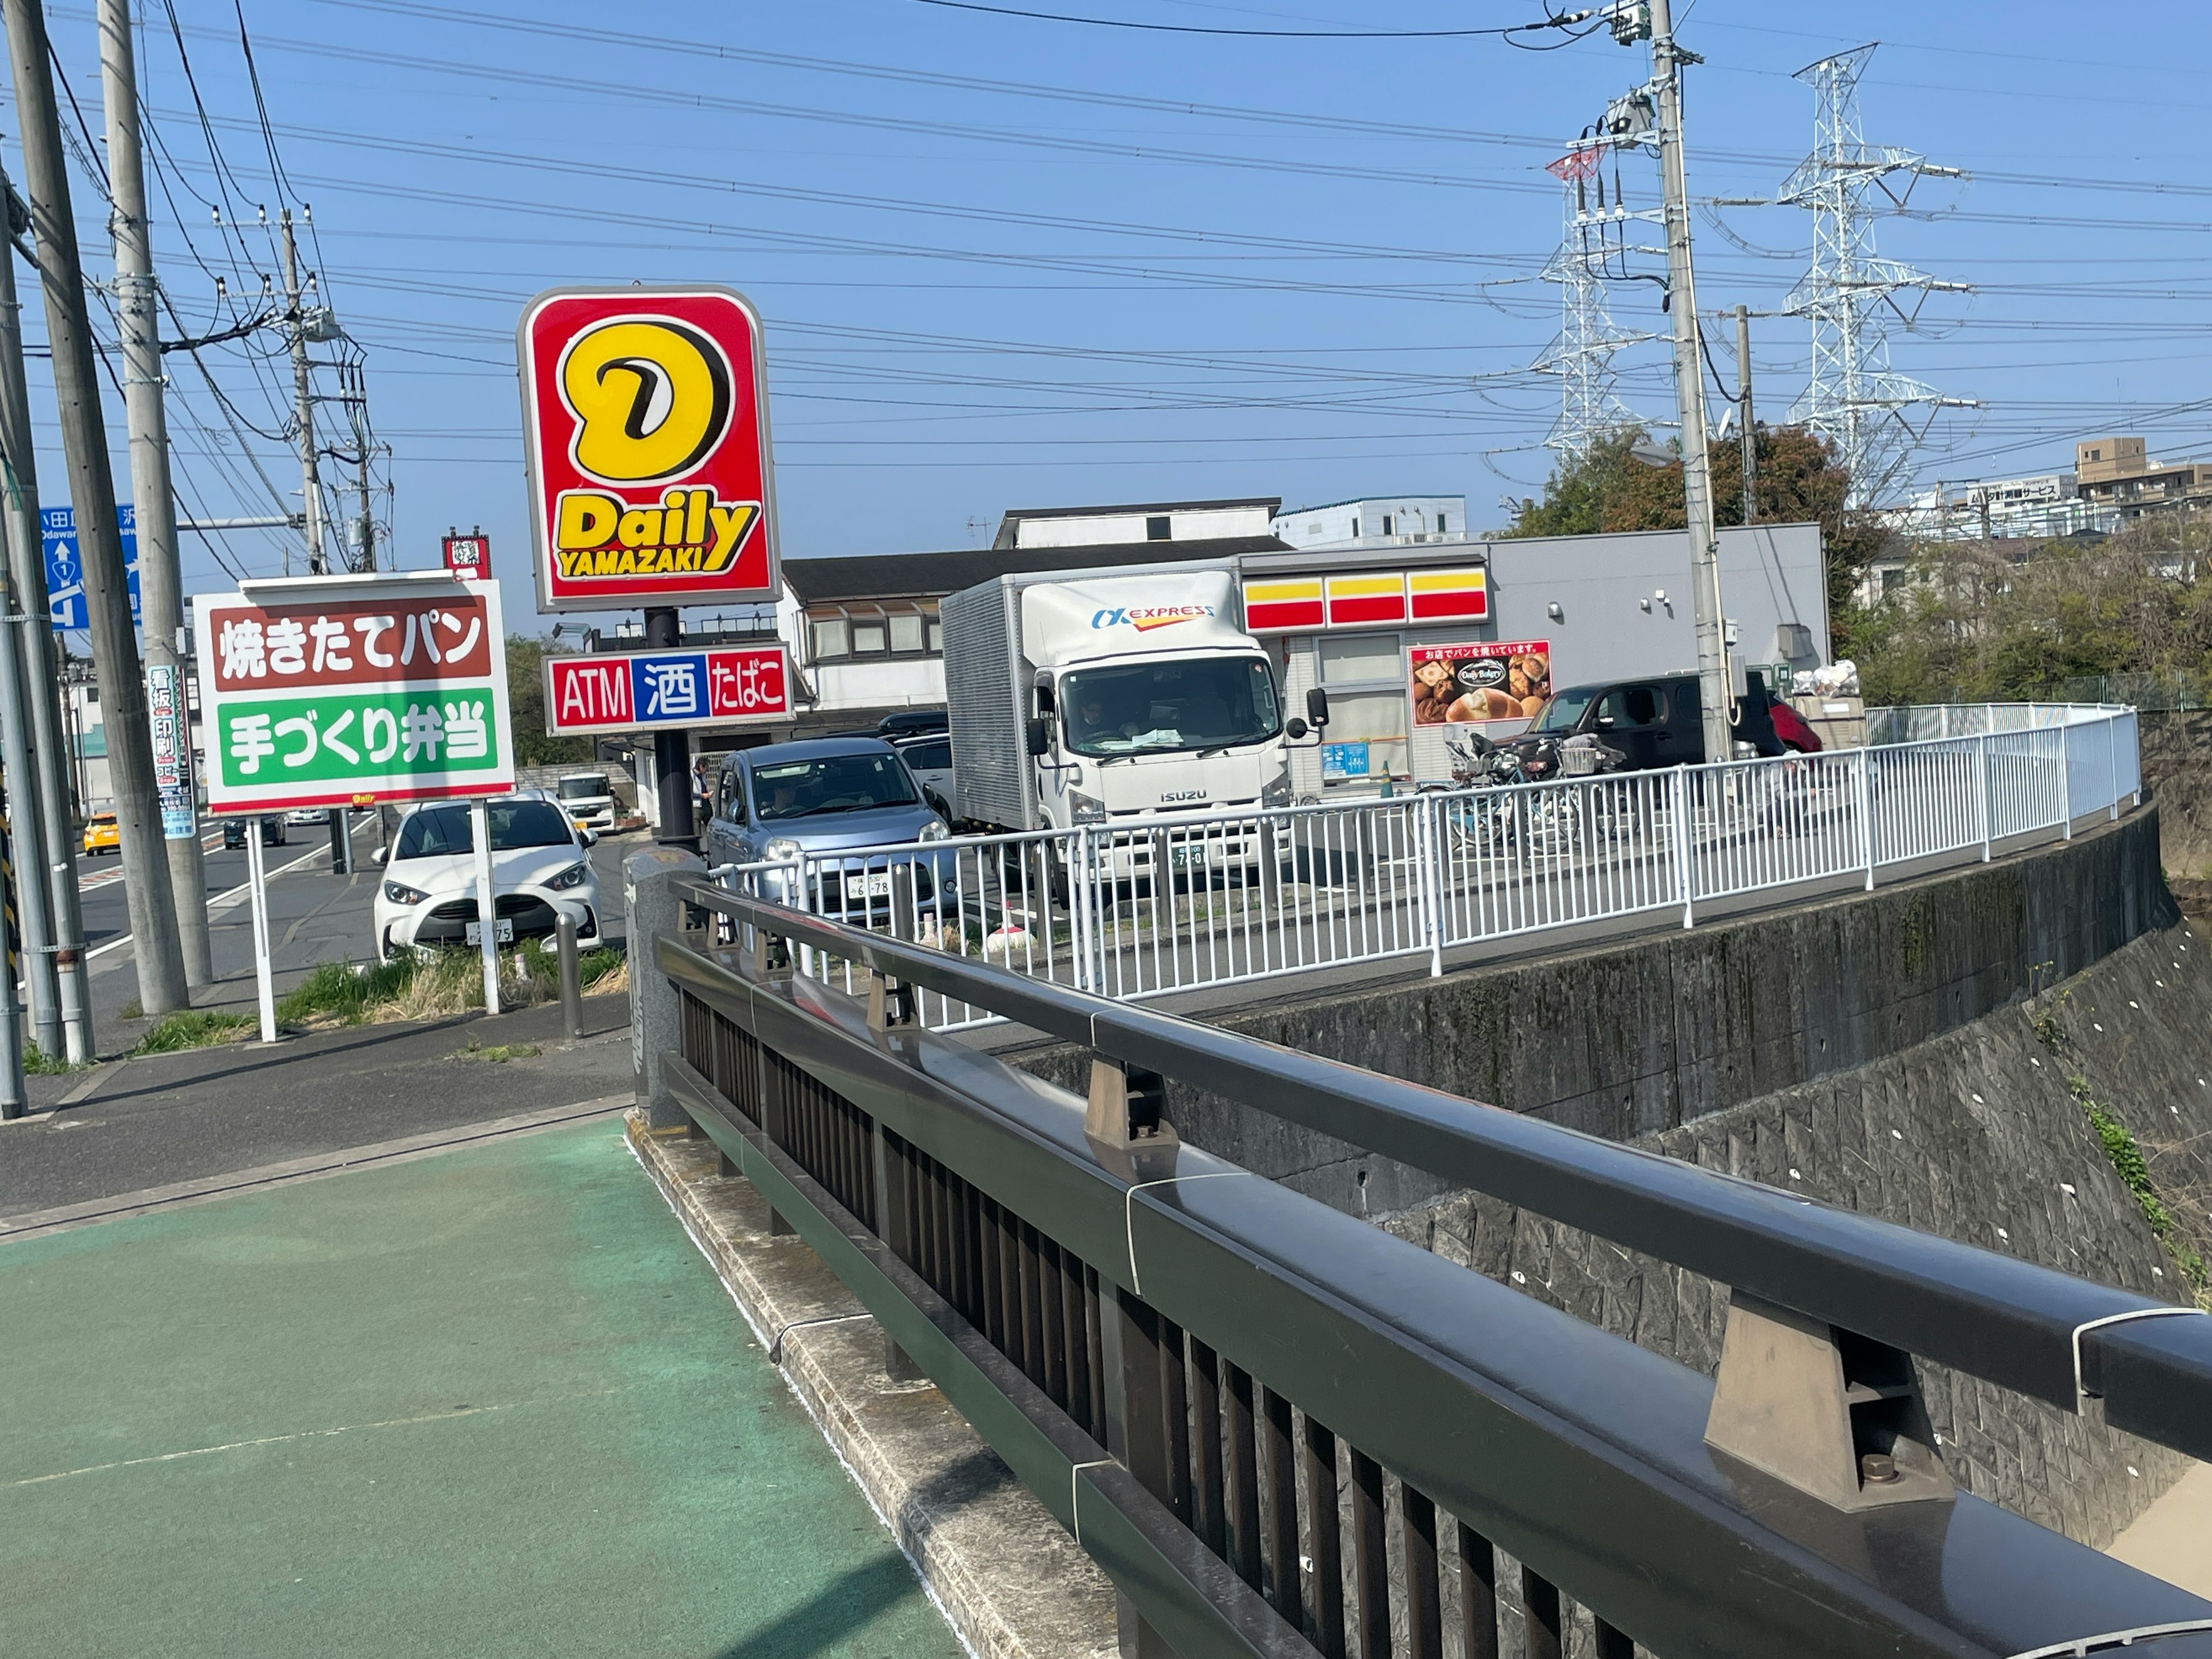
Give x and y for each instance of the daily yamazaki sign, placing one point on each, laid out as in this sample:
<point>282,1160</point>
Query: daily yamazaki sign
<point>638,690</point>
<point>644,429</point>
<point>349,690</point>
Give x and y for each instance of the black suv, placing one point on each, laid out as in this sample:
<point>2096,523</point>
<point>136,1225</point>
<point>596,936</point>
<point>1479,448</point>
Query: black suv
<point>1655,722</point>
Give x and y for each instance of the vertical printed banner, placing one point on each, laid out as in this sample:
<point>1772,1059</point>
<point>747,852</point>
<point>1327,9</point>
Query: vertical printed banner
<point>1480,682</point>
<point>348,691</point>
<point>173,749</point>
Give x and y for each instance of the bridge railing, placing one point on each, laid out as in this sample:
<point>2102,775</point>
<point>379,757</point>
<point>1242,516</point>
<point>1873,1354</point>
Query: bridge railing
<point>1283,1431</point>
<point>1135,908</point>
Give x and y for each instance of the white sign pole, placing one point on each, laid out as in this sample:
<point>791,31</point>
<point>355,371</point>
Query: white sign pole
<point>257,884</point>
<point>486,903</point>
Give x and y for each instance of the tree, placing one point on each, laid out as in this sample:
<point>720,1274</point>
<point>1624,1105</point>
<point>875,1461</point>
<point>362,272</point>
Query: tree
<point>2006,621</point>
<point>526,691</point>
<point>1800,479</point>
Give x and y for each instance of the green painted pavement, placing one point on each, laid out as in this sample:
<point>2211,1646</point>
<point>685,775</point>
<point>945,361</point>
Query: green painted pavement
<point>488,1403</point>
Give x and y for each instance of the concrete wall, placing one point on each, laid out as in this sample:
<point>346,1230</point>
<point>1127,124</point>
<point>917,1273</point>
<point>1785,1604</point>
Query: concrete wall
<point>1882,1047</point>
<point>2177,767</point>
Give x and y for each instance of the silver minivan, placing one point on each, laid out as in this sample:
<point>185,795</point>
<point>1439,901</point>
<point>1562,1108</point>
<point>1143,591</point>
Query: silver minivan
<point>833,803</point>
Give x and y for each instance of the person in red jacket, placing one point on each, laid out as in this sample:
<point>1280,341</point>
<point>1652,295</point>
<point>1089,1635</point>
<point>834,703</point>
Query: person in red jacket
<point>1790,726</point>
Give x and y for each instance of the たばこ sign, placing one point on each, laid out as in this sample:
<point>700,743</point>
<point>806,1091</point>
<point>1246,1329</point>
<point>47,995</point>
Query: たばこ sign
<point>645,431</point>
<point>721,685</point>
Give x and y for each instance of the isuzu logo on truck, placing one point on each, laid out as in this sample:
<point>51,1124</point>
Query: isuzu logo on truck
<point>1144,618</point>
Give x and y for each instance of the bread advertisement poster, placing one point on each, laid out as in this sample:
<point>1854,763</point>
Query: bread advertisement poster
<point>1477,684</point>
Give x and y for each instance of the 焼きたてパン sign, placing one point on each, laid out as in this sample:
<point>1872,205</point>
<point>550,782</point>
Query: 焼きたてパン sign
<point>645,430</point>
<point>341,691</point>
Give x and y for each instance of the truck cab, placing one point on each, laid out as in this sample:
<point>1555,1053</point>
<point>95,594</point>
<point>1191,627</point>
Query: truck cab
<point>1179,732</point>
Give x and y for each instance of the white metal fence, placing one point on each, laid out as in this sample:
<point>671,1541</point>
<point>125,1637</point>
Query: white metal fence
<point>1138,908</point>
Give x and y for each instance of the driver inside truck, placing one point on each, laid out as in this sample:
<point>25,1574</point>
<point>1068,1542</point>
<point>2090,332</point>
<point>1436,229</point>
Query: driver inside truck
<point>1091,721</point>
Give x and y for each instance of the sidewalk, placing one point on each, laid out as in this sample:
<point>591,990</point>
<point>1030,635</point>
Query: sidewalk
<point>129,1125</point>
<point>489,1403</point>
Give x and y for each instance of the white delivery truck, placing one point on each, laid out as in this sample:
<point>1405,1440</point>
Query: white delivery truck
<point>1109,698</point>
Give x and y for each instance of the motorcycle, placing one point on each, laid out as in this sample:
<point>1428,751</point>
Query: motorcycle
<point>1548,820</point>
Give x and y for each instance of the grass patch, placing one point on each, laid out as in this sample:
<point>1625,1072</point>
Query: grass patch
<point>38,1063</point>
<point>343,993</point>
<point>439,984</point>
<point>131,1010</point>
<point>500,1053</point>
<point>194,1028</point>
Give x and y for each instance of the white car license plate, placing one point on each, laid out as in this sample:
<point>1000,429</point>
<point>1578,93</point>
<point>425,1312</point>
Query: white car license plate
<point>502,932</point>
<point>877,884</point>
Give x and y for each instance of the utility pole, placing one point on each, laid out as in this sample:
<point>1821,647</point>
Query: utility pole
<point>162,988</point>
<point>32,760</point>
<point>368,519</point>
<point>1749,435</point>
<point>295,325</point>
<point>160,577</point>
<point>1667,61</point>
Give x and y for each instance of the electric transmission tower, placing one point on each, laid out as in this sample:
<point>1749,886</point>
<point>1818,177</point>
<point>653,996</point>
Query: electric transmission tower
<point>1875,416</point>
<point>1597,245</point>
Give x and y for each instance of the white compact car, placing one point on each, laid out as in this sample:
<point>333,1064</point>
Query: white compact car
<point>541,865</point>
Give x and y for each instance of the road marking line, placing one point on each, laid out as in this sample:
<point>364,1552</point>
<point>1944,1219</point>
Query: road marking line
<point>453,1415</point>
<point>230,897</point>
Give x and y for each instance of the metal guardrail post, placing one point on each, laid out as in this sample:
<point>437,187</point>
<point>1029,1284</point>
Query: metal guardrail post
<point>1428,872</point>
<point>650,882</point>
<point>1864,787</point>
<point>1135,1359</point>
<point>572,989</point>
<point>2112,761</point>
<point>1989,807</point>
<point>1684,867</point>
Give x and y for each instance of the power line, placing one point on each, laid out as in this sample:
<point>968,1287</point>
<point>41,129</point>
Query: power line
<point>1261,35</point>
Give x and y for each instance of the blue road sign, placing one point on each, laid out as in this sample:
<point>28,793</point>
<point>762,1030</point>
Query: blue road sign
<point>65,565</point>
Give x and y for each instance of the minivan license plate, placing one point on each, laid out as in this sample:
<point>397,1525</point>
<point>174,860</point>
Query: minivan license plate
<point>502,932</point>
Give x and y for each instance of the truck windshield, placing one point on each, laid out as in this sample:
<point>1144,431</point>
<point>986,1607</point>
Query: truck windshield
<point>1565,708</point>
<point>830,783</point>
<point>1149,707</point>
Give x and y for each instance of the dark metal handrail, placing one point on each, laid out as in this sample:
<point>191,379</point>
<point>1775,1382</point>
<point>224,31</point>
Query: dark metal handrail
<point>2044,1333</point>
<point>1580,1454</point>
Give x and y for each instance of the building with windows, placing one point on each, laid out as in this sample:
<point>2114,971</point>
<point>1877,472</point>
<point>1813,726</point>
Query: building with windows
<point>1041,527</point>
<point>1375,521</point>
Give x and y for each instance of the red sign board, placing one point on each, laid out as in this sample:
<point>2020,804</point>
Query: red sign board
<point>678,687</point>
<point>644,432</point>
<point>469,557</point>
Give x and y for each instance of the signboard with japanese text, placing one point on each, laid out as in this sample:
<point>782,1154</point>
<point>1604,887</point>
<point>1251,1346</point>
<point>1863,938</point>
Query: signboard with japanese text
<point>645,436</point>
<point>1478,682</point>
<point>65,600</point>
<point>467,557</point>
<point>638,691</point>
<point>351,690</point>
<point>167,719</point>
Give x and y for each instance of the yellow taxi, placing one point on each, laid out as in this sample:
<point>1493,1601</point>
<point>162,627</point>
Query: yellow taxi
<point>99,835</point>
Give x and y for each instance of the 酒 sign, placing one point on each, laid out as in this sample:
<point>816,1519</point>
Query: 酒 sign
<point>634,692</point>
<point>645,432</point>
<point>346,691</point>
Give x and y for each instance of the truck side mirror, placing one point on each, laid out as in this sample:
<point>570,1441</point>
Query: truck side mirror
<point>1295,729</point>
<point>1318,705</point>
<point>1040,737</point>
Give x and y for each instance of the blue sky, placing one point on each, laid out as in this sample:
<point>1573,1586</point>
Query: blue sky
<point>1006,262</point>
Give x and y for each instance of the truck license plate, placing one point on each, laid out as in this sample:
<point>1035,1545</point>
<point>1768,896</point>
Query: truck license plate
<point>878,885</point>
<point>502,932</point>
<point>1187,858</point>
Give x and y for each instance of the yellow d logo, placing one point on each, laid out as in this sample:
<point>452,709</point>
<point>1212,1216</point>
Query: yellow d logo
<point>651,398</point>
